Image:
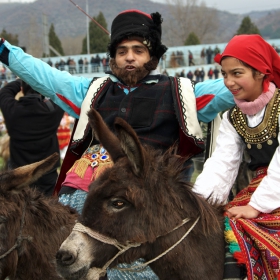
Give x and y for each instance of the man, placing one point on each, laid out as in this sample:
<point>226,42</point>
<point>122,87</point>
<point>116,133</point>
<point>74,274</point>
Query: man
<point>32,123</point>
<point>162,110</point>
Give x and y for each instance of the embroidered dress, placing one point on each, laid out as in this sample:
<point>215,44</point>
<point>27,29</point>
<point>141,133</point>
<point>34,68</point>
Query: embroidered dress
<point>256,242</point>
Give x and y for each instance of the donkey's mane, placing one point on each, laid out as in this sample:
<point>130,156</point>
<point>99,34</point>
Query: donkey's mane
<point>171,168</point>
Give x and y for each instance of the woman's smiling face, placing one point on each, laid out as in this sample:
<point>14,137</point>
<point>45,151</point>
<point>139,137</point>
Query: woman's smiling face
<point>239,79</point>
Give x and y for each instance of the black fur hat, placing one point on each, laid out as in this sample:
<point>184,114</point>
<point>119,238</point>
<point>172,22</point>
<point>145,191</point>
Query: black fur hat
<point>131,23</point>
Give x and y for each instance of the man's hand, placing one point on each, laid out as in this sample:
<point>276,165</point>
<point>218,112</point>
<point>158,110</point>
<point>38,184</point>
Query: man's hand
<point>247,212</point>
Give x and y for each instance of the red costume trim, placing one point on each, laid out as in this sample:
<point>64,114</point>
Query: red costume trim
<point>202,101</point>
<point>76,109</point>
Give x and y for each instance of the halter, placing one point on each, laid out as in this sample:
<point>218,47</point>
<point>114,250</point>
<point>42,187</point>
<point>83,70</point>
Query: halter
<point>124,247</point>
<point>20,238</point>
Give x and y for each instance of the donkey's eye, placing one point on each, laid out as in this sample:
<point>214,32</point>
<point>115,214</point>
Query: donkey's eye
<point>119,204</point>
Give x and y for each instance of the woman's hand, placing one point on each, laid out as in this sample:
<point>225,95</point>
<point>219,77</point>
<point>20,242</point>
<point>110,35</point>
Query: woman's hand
<point>247,212</point>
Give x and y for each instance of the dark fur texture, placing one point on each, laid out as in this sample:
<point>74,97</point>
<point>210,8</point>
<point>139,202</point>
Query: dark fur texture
<point>46,224</point>
<point>144,196</point>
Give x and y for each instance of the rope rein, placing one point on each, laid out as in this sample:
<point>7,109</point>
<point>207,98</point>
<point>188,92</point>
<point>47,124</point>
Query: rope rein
<point>20,238</point>
<point>124,247</point>
<point>143,265</point>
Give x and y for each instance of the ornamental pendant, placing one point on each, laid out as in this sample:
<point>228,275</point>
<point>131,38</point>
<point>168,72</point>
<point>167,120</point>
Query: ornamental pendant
<point>269,142</point>
<point>259,146</point>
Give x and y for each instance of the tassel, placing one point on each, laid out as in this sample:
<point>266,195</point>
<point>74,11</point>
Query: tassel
<point>100,168</point>
<point>230,238</point>
<point>239,257</point>
<point>80,167</point>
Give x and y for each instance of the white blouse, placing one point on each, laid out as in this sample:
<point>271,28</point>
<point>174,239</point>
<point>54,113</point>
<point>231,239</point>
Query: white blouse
<point>220,171</point>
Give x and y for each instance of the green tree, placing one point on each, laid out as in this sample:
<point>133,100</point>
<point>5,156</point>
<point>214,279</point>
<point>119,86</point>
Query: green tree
<point>54,42</point>
<point>247,27</point>
<point>13,39</point>
<point>98,39</point>
<point>192,40</point>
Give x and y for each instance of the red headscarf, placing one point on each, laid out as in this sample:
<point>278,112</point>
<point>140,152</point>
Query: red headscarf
<point>256,52</point>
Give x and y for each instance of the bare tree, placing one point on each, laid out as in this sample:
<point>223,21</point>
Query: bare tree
<point>35,39</point>
<point>189,16</point>
<point>72,45</point>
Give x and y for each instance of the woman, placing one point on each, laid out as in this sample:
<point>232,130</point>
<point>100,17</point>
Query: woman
<point>251,71</point>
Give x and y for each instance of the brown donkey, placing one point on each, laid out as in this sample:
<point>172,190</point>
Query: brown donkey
<point>32,226</point>
<point>141,207</point>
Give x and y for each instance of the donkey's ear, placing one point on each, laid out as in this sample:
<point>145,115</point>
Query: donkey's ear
<point>105,136</point>
<point>130,144</point>
<point>21,177</point>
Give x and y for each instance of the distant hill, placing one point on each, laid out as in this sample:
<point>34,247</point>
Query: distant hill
<point>25,19</point>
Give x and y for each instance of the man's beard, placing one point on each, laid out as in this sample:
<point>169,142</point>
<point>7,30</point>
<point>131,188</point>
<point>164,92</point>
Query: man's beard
<point>130,78</point>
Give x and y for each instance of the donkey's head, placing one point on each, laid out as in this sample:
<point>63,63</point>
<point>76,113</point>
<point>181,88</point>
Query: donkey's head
<point>141,197</point>
<point>17,179</point>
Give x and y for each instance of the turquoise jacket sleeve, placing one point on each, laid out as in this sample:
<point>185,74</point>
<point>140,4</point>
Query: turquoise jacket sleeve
<point>212,98</point>
<point>65,90</point>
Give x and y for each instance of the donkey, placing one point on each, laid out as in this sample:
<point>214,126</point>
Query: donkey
<point>141,207</point>
<point>32,226</point>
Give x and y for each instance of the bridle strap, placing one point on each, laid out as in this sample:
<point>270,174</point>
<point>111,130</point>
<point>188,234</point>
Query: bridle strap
<point>143,265</point>
<point>102,238</point>
<point>20,238</point>
<point>122,248</point>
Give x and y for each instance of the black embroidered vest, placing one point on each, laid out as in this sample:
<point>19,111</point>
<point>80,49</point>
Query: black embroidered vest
<point>149,110</point>
<point>261,141</point>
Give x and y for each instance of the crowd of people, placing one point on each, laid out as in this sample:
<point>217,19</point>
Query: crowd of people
<point>198,75</point>
<point>82,65</point>
<point>173,108</point>
<point>179,59</point>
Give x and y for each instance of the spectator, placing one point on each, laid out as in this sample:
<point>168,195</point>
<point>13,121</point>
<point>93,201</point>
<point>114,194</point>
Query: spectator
<point>173,61</point>
<point>93,64</point>
<point>86,65</point>
<point>64,134</point>
<point>72,66</point>
<point>209,55</point>
<point>202,74</point>
<point>62,65</point>
<point>197,75</point>
<point>216,51</point>
<point>190,58</point>
<point>81,65</point>
<point>31,122</point>
<point>210,73</point>
<point>216,72</point>
<point>182,74</point>
<point>202,56</point>
<point>190,75</point>
<point>50,62</point>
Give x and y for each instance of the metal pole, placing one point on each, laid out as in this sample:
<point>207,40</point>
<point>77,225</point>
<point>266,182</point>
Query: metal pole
<point>46,36</point>
<point>87,24</point>
<point>106,31</point>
